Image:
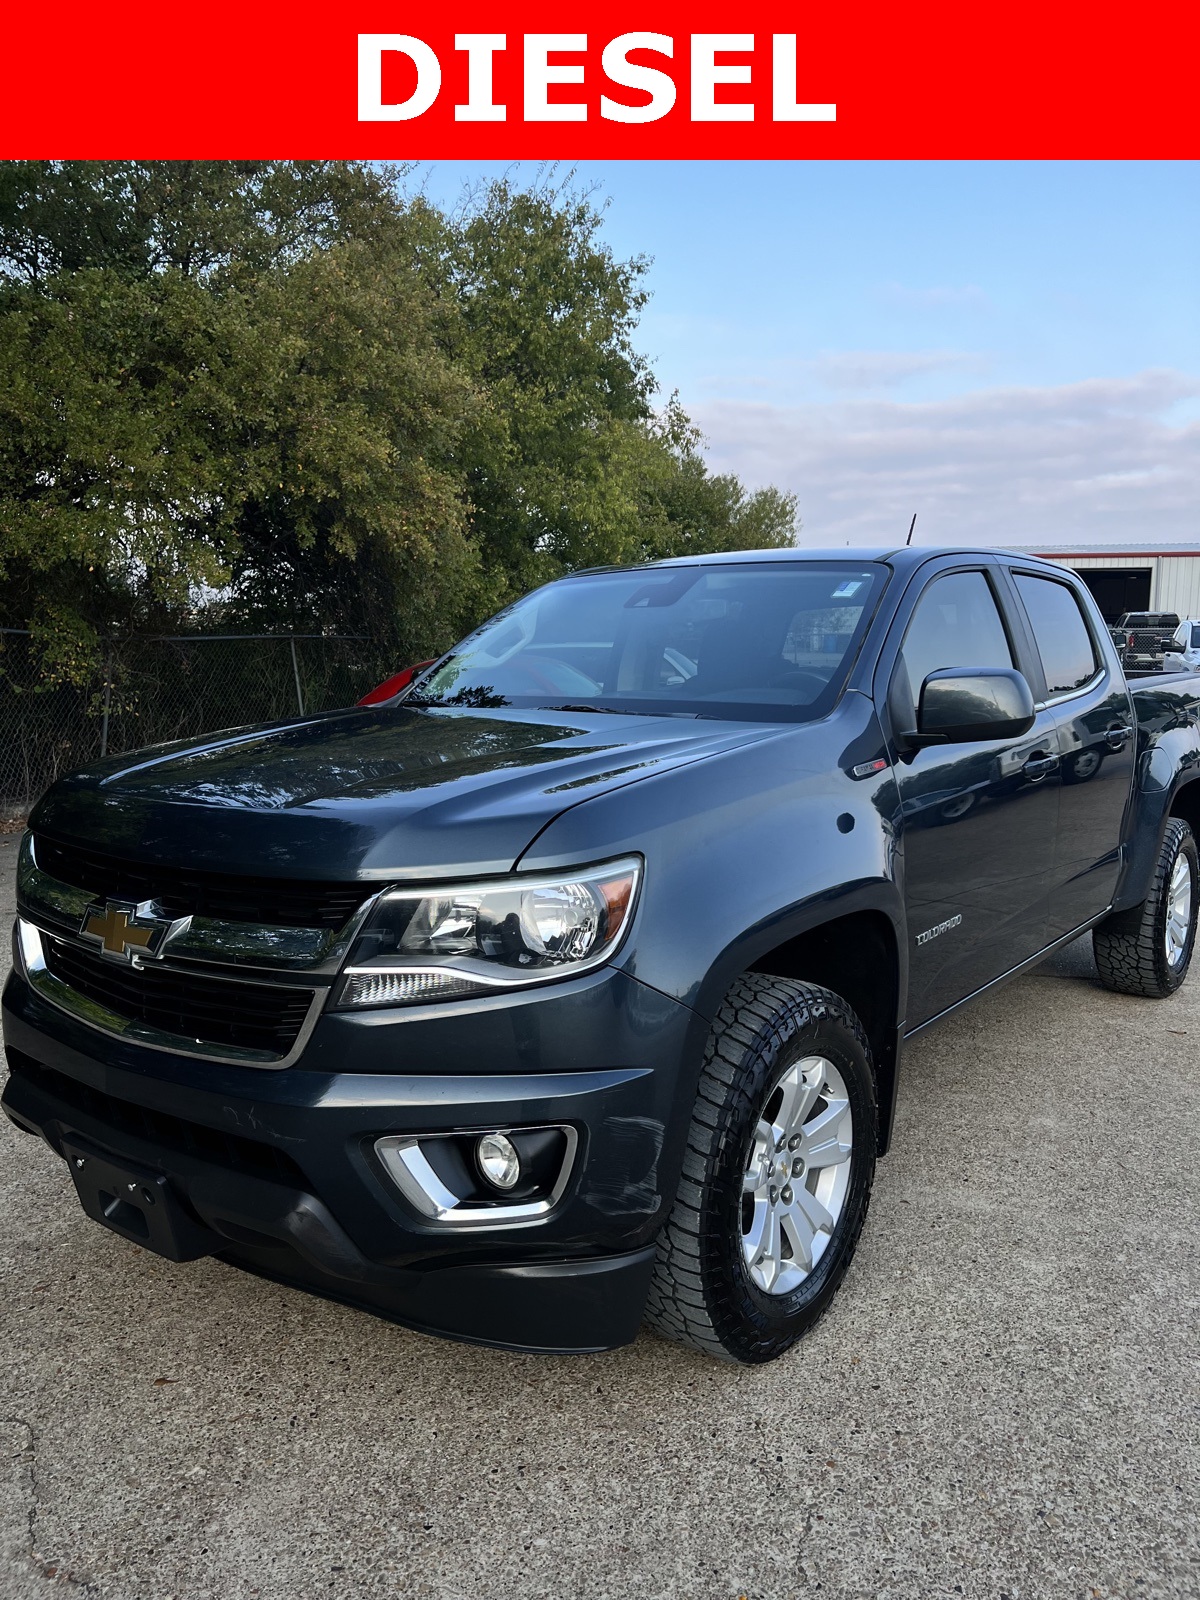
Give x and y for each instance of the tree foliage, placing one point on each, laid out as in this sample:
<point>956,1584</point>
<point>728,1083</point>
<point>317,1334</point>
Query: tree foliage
<point>282,393</point>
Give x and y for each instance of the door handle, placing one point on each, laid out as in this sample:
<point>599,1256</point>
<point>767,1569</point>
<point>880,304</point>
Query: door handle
<point>1116,737</point>
<point>1037,767</point>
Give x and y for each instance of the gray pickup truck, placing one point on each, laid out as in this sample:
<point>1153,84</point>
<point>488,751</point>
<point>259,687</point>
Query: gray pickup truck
<point>568,987</point>
<point>1142,639</point>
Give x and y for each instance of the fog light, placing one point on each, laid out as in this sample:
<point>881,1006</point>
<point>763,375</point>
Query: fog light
<point>498,1160</point>
<point>482,1180</point>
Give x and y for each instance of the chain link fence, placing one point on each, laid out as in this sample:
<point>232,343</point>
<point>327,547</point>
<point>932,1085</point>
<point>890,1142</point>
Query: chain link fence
<point>148,690</point>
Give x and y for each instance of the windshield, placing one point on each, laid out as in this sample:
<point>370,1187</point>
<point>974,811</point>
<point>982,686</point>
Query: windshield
<point>768,640</point>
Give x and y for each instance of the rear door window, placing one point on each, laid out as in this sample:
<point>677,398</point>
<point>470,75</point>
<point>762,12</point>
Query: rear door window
<point>1063,638</point>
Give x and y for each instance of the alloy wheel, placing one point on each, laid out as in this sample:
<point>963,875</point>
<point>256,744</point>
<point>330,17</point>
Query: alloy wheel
<point>1179,910</point>
<point>797,1175</point>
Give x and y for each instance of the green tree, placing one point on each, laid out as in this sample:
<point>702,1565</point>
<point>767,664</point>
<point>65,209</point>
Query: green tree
<point>283,394</point>
<point>136,218</point>
<point>544,323</point>
<point>351,516</point>
<point>687,510</point>
<point>114,483</point>
<point>566,464</point>
<point>223,386</point>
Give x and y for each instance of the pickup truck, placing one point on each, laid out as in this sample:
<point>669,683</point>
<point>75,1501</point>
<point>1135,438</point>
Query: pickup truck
<point>568,987</point>
<point>1183,652</point>
<point>1143,637</point>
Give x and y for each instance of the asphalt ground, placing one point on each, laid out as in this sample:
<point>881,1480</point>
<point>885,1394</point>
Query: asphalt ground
<point>1002,1403</point>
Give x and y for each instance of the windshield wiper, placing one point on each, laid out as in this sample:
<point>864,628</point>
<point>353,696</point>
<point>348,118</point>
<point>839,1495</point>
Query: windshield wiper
<point>612,711</point>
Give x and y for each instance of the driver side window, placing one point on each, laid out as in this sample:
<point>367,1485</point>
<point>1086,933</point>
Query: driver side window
<point>956,624</point>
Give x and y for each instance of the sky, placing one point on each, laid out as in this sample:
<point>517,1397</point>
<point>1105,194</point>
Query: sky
<point>1012,351</point>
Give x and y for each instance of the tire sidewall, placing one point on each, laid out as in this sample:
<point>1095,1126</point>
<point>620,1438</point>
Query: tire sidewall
<point>759,1325</point>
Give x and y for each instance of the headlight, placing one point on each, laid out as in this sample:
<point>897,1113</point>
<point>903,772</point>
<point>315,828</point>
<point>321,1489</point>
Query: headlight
<point>445,944</point>
<point>26,866</point>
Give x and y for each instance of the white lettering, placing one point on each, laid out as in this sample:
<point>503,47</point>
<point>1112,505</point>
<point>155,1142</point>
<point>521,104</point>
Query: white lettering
<point>706,74</point>
<point>942,927</point>
<point>658,85</point>
<point>783,85</point>
<point>480,48</point>
<point>539,75</point>
<point>371,49</point>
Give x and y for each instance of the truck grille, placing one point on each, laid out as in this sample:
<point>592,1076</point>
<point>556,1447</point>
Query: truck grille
<point>184,891</point>
<point>1146,641</point>
<point>249,1016</point>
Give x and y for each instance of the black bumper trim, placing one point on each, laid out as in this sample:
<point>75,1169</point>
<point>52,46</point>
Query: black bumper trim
<point>162,1129</point>
<point>288,1235</point>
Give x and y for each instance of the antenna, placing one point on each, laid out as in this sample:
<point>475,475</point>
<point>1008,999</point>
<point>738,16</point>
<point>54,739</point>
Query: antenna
<point>911,526</point>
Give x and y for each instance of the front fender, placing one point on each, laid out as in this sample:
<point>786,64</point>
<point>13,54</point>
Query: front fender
<point>750,947</point>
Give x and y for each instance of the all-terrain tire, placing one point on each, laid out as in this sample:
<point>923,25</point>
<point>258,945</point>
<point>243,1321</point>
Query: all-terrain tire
<point>702,1292</point>
<point>1131,947</point>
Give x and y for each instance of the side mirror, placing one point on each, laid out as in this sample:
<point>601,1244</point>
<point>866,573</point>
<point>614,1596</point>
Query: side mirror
<point>964,705</point>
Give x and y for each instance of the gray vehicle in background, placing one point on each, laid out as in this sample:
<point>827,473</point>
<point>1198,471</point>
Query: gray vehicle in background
<point>1142,639</point>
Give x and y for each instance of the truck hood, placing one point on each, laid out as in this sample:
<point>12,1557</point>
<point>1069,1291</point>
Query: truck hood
<point>381,793</point>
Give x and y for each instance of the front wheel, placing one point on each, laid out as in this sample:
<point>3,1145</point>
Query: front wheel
<point>1147,950</point>
<point>776,1175</point>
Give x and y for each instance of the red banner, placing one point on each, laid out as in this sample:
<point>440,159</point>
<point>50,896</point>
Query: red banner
<point>377,79</point>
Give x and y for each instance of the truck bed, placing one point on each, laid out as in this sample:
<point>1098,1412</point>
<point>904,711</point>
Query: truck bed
<point>1186,684</point>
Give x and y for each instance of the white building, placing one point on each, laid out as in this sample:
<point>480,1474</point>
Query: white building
<point>1134,577</point>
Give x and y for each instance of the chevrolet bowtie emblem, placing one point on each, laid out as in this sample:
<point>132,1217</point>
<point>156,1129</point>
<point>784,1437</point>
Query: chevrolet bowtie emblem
<point>121,932</point>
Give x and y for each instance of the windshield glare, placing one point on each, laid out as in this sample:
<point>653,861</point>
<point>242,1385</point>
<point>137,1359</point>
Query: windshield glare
<point>763,640</point>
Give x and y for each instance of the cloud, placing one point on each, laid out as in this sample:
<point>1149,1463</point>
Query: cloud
<point>1087,462</point>
<point>883,369</point>
<point>848,372</point>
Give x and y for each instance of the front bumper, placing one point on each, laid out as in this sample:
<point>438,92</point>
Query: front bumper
<point>279,1168</point>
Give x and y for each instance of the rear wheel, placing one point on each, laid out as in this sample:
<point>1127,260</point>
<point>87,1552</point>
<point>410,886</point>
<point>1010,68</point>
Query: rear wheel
<point>776,1177</point>
<point>1147,950</point>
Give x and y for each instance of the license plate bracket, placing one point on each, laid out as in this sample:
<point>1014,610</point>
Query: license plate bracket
<point>137,1203</point>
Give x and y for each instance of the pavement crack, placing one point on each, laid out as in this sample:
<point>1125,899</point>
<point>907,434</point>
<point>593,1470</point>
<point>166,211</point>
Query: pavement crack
<point>24,1454</point>
<point>27,1455</point>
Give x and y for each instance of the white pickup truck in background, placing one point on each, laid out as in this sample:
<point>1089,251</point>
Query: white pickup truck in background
<point>1183,652</point>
